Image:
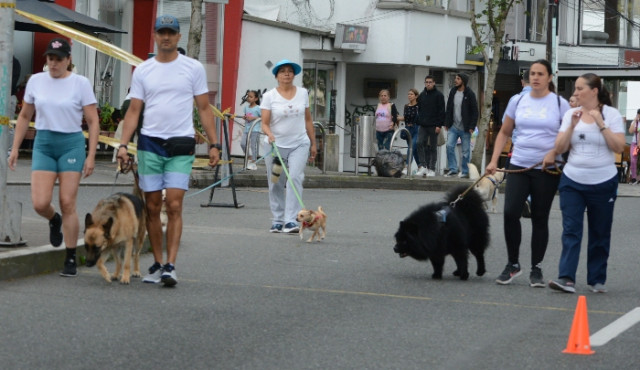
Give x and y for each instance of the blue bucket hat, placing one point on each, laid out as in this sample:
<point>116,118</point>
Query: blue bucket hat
<point>167,21</point>
<point>296,67</point>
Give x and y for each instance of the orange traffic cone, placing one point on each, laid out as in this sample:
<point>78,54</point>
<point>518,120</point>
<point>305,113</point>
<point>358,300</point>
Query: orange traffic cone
<point>578,343</point>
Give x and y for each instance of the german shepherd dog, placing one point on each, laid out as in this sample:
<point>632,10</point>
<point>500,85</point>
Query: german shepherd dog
<point>117,221</point>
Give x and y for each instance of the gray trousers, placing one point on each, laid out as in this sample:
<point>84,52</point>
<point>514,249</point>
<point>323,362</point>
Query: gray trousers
<point>282,200</point>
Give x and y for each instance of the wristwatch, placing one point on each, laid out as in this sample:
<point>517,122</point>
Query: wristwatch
<point>217,146</point>
<point>604,127</point>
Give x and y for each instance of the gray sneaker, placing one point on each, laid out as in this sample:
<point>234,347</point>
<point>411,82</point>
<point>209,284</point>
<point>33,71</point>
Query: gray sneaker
<point>535,278</point>
<point>169,277</point>
<point>291,228</point>
<point>597,288</point>
<point>563,285</point>
<point>510,272</point>
<point>155,272</point>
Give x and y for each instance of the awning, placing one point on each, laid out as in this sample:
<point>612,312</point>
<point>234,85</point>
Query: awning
<point>61,15</point>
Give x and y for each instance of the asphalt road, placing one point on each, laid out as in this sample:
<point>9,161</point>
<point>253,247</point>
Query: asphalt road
<point>248,299</point>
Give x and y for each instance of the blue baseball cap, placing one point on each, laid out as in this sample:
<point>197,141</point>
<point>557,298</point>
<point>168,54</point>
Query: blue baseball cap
<point>284,62</point>
<point>168,22</point>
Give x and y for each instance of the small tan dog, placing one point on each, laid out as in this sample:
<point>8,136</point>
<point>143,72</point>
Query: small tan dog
<point>487,187</point>
<point>314,220</point>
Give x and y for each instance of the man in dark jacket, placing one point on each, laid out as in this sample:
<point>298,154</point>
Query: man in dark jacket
<point>431,118</point>
<point>461,119</point>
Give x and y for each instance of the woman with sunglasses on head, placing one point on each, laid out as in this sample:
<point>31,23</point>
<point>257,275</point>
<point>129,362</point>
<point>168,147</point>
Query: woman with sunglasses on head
<point>537,115</point>
<point>593,132</point>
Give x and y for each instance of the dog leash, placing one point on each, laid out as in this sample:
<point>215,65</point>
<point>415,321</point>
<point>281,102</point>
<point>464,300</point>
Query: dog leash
<point>226,178</point>
<point>275,149</point>
<point>557,171</point>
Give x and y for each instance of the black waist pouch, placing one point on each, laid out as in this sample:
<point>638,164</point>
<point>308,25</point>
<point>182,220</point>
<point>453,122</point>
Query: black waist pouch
<point>181,145</point>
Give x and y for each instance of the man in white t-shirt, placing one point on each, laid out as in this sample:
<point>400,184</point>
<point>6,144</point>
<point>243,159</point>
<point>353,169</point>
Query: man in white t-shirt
<point>167,85</point>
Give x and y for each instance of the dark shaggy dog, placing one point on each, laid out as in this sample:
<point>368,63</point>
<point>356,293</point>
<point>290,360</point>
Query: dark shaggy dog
<point>436,230</point>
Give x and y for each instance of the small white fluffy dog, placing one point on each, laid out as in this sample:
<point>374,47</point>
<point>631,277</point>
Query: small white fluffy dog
<point>487,187</point>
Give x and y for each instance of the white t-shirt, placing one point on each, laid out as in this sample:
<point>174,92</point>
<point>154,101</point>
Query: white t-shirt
<point>287,117</point>
<point>59,101</point>
<point>590,159</point>
<point>538,121</point>
<point>167,90</point>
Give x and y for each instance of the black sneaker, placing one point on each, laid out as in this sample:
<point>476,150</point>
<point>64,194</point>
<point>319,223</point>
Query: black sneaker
<point>69,269</point>
<point>563,285</point>
<point>510,272</point>
<point>535,278</point>
<point>55,232</point>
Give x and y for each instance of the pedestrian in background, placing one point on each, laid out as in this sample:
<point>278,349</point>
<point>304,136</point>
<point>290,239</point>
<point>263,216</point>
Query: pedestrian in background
<point>166,85</point>
<point>286,121</point>
<point>386,120</point>
<point>410,117</point>
<point>537,115</point>
<point>573,102</point>
<point>431,118</point>
<point>60,99</point>
<point>460,120</point>
<point>633,151</point>
<point>593,133</point>
<point>252,112</point>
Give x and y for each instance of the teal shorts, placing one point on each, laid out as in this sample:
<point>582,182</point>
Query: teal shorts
<point>58,151</point>
<point>159,171</point>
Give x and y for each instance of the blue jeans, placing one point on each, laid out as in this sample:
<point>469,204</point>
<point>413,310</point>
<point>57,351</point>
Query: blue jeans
<point>599,200</point>
<point>452,139</point>
<point>282,200</point>
<point>414,141</point>
<point>384,139</point>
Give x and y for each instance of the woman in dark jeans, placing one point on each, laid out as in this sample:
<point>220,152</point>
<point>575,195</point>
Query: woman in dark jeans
<point>410,118</point>
<point>538,115</point>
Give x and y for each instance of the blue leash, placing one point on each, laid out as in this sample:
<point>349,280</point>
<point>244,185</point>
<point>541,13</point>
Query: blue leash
<point>225,178</point>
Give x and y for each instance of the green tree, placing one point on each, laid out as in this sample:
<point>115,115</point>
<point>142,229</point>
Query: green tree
<point>488,26</point>
<point>195,29</point>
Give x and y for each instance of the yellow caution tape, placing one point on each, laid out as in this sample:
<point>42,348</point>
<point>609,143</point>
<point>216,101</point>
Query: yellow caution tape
<point>4,120</point>
<point>88,40</point>
<point>7,5</point>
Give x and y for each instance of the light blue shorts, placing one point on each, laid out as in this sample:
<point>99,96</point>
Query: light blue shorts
<point>58,151</point>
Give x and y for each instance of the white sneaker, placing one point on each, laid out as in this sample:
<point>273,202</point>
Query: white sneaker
<point>404,171</point>
<point>252,166</point>
<point>421,171</point>
<point>154,275</point>
<point>431,173</point>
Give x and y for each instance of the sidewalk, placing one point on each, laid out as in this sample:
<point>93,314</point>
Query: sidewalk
<point>38,256</point>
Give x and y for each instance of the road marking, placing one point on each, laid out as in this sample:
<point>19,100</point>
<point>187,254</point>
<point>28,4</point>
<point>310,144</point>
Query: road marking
<point>604,335</point>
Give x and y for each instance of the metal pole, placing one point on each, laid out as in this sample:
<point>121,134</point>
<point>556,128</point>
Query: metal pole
<point>552,38</point>
<point>549,32</point>
<point>10,211</point>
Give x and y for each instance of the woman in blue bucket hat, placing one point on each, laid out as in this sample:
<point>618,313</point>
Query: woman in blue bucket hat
<point>286,121</point>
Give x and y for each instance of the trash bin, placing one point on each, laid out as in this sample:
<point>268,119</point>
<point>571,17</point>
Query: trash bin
<point>367,142</point>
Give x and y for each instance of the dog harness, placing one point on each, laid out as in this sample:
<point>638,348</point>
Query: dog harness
<point>309,224</point>
<point>442,214</point>
<point>495,184</point>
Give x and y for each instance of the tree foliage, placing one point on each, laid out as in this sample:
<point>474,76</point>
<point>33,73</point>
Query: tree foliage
<point>488,26</point>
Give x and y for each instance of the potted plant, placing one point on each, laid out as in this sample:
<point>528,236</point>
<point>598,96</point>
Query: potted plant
<point>107,125</point>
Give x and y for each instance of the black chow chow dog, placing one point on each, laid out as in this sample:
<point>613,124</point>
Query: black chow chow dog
<point>436,230</point>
